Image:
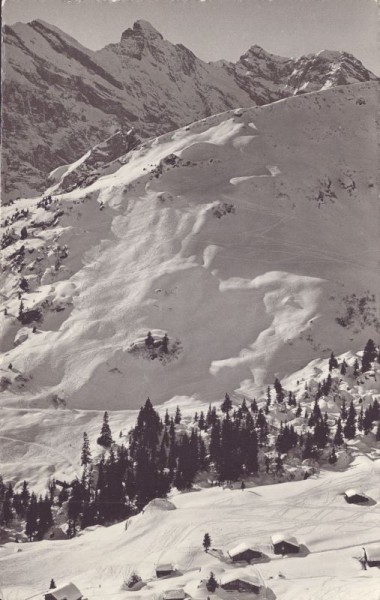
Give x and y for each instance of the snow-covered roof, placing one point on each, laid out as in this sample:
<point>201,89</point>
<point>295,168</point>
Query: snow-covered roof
<point>240,548</point>
<point>373,552</point>
<point>66,592</point>
<point>243,575</point>
<point>174,595</point>
<point>165,567</point>
<point>277,538</point>
<point>351,492</point>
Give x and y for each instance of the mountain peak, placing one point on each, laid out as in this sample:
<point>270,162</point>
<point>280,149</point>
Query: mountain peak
<point>146,28</point>
<point>143,29</point>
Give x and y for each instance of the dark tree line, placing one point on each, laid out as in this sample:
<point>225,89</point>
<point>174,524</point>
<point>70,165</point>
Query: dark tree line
<point>229,444</point>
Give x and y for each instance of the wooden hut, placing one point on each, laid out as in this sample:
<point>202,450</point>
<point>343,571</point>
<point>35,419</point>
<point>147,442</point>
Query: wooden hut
<point>241,581</point>
<point>244,552</point>
<point>284,544</point>
<point>177,594</point>
<point>164,570</point>
<point>354,497</point>
<point>372,555</point>
<point>65,592</point>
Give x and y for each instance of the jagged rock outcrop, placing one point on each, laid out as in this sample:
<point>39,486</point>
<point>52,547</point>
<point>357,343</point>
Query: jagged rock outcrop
<point>60,99</point>
<point>99,160</point>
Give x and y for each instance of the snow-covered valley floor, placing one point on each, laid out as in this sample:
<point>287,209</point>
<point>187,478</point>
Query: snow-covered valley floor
<point>314,511</point>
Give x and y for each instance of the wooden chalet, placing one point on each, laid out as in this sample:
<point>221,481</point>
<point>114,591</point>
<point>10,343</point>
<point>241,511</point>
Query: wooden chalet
<point>164,570</point>
<point>244,552</point>
<point>284,544</point>
<point>239,580</point>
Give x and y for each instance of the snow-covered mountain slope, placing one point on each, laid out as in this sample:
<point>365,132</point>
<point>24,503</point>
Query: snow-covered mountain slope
<point>331,532</point>
<point>249,237</point>
<point>61,98</point>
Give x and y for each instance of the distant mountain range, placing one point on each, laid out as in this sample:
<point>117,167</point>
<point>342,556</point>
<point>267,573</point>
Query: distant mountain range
<point>61,99</point>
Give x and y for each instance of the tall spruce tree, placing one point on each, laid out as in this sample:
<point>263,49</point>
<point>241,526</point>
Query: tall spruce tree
<point>86,452</point>
<point>350,426</point>
<point>105,438</point>
<point>333,363</point>
<point>31,526</point>
<point>279,391</point>
<point>369,355</point>
<point>226,404</point>
<point>338,438</point>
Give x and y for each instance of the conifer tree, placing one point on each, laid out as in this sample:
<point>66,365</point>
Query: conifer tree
<point>165,343</point>
<point>333,363</point>
<point>105,438</point>
<point>350,426</point>
<point>368,420</point>
<point>333,457</point>
<point>244,407</point>
<point>201,421</point>
<point>214,447</point>
<point>24,497</point>
<point>355,372</point>
<point>279,391</point>
<point>178,416</point>
<point>251,459</point>
<point>308,448</point>
<point>226,404</point>
<point>206,542</point>
<point>52,584</point>
<point>326,386</point>
<point>31,526</point>
<point>211,583</point>
<point>369,355</point>
<point>360,419</point>
<point>149,340</point>
<point>86,452</point>
<point>343,368</point>
<point>279,465</point>
<point>262,426</point>
<point>6,514</point>
<point>45,517</point>
<point>338,438</point>
<point>343,410</point>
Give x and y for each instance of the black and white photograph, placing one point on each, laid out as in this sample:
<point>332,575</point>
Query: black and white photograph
<point>189,300</point>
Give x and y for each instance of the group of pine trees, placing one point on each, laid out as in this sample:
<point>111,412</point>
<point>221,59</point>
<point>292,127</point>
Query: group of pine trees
<point>230,444</point>
<point>26,507</point>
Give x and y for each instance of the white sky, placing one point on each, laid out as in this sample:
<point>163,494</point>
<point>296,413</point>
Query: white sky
<point>215,29</point>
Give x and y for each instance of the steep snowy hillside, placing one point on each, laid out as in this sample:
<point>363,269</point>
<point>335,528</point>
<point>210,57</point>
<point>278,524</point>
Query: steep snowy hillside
<point>61,98</point>
<point>247,237</point>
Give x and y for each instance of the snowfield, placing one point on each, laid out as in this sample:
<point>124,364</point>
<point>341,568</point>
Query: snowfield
<point>226,234</point>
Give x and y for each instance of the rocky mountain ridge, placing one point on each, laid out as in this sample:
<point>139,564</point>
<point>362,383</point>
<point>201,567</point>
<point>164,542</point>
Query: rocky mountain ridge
<point>60,98</point>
